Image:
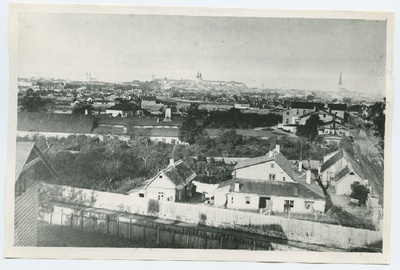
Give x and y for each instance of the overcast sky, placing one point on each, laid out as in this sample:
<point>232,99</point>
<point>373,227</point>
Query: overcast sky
<point>276,52</point>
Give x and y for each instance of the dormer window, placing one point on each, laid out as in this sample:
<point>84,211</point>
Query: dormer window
<point>272,165</point>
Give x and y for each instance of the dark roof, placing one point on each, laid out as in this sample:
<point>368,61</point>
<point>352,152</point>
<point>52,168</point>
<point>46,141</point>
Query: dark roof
<point>49,122</point>
<point>337,106</point>
<point>26,152</point>
<point>123,107</point>
<point>271,188</point>
<point>180,174</point>
<point>319,112</point>
<point>140,121</point>
<point>349,169</point>
<point>331,123</point>
<point>336,157</point>
<point>280,159</point>
<point>306,105</point>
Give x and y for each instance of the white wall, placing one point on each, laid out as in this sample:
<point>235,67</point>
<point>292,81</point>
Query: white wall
<point>299,204</point>
<point>331,172</point>
<point>161,184</point>
<point>262,171</point>
<point>343,187</point>
<point>239,201</point>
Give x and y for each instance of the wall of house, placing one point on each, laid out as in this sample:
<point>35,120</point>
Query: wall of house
<point>262,171</point>
<point>161,184</point>
<point>26,216</point>
<point>238,201</point>
<point>167,140</point>
<point>299,205</point>
<point>331,172</point>
<point>343,187</point>
<point>322,116</point>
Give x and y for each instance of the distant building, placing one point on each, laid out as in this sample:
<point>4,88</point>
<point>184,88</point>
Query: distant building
<point>122,110</point>
<point>173,183</point>
<point>28,157</point>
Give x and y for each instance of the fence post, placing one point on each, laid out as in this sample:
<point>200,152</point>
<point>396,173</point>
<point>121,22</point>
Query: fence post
<point>118,227</point>
<point>72,218</point>
<point>107,224</point>
<point>82,219</point>
<point>51,215</point>
<point>61,219</point>
<point>94,223</point>
<point>158,235</point>
<point>130,228</point>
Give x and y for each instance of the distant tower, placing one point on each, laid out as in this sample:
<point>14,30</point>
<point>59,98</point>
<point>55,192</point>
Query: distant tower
<point>199,77</point>
<point>340,83</point>
<point>167,117</point>
<point>153,77</point>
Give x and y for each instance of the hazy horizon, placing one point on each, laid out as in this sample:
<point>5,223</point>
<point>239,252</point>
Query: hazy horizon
<point>274,52</point>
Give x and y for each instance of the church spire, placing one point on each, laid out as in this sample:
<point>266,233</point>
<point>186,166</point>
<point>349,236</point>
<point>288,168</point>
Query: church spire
<point>340,79</point>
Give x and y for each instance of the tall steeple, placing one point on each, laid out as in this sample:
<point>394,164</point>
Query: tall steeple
<point>340,79</point>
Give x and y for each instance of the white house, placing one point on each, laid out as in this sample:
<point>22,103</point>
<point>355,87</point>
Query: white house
<point>334,163</point>
<point>249,194</point>
<point>333,128</point>
<point>173,183</point>
<point>121,110</point>
<point>273,167</point>
<point>345,178</point>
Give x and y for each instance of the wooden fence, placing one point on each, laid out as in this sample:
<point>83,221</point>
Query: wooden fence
<point>273,226</point>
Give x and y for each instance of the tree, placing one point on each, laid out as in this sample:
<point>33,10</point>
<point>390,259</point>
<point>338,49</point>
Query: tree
<point>310,129</point>
<point>189,131</point>
<point>359,192</point>
<point>32,102</point>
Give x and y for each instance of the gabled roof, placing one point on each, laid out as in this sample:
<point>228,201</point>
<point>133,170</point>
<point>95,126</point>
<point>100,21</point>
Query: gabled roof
<point>51,122</point>
<point>271,188</point>
<point>336,157</point>
<point>280,159</point>
<point>346,170</point>
<point>179,174</point>
<point>27,152</point>
<point>306,105</point>
<point>123,107</point>
<point>321,111</point>
<point>331,122</point>
<point>337,106</point>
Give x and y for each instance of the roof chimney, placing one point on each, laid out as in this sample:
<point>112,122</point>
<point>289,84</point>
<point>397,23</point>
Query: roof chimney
<point>278,148</point>
<point>300,166</point>
<point>171,162</point>
<point>308,176</point>
<point>271,154</point>
<point>237,187</point>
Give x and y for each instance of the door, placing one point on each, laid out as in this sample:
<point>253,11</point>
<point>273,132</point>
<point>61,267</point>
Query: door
<point>263,202</point>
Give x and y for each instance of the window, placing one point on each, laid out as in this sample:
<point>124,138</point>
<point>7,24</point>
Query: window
<point>247,198</point>
<point>163,140</point>
<point>308,204</point>
<point>298,112</point>
<point>324,115</point>
<point>304,111</point>
<point>141,195</point>
<point>284,178</point>
<point>160,196</point>
<point>289,203</point>
<point>287,113</point>
<point>272,165</point>
<point>173,141</point>
<point>287,121</point>
<point>232,200</point>
<point>272,176</point>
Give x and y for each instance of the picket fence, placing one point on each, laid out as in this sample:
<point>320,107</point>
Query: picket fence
<point>273,226</point>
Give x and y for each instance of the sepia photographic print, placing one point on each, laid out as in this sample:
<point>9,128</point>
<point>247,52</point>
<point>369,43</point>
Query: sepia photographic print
<point>199,134</point>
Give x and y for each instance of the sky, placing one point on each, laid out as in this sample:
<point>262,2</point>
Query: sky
<point>271,52</point>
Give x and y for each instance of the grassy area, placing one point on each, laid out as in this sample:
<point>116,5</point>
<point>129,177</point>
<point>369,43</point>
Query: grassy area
<point>61,236</point>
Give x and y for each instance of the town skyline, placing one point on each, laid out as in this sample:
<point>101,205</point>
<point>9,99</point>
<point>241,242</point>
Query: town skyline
<point>277,53</point>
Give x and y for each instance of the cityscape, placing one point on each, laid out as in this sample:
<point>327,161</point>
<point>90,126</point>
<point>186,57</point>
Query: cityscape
<point>206,135</point>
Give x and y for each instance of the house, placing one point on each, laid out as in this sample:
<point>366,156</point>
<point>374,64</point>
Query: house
<point>333,128</point>
<point>122,110</point>
<point>345,178</point>
<point>334,163</point>
<point>323,115</point>
<point>54,125</point>
<point>241,106</point>
<point>272,167</point>
<point>28,158</point>
<point>276,196</point>
<point>299,112</point>
<point>173,183</point>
